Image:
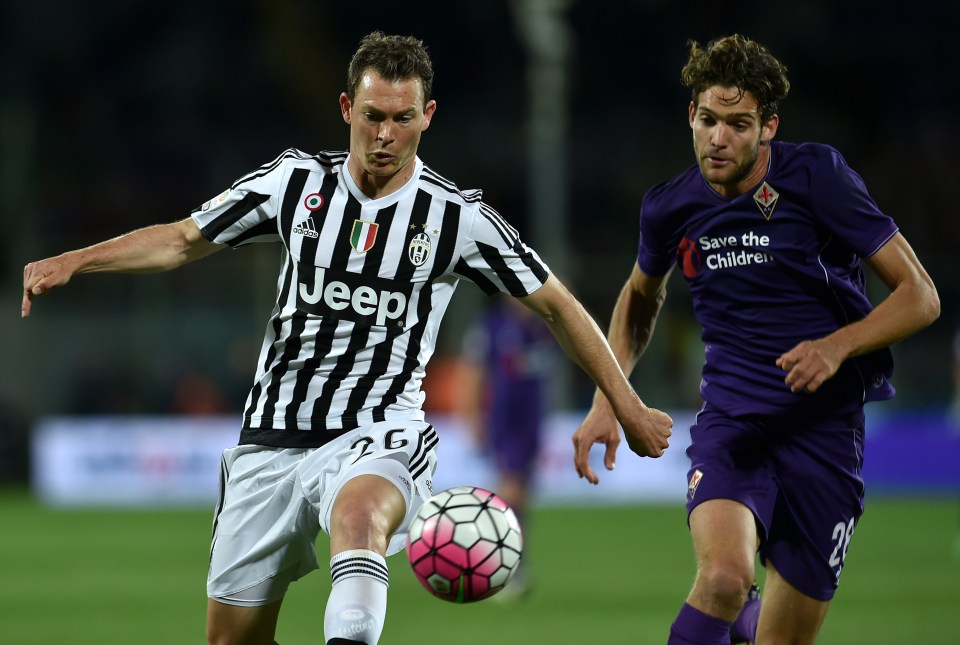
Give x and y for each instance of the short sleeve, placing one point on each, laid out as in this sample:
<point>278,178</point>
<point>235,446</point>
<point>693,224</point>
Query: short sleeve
<point>654,255</point>
<point>842,204</point>
<point>247,211</point>
<point>494,257</point>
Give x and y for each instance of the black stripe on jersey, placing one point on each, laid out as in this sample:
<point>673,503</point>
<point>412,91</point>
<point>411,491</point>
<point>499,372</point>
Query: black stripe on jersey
<point>327,188</point>
<point>290,153</point>
<point>246,437</point>
<point>291,349</point>
<point>441,263</point>
<point>507,232</point>
<point>330,158</point>
<point>447,245</point>
<point>229,217</point>
<point>475,276</point>
<point>291,346</point>
<point>264,228</point>
<point>537,267</point>
<point>291,199</point>
<point>430,176</point>
<point>323,343</point>
<point>380,361</point>
<point>491,255</point>
<point>372,261</point>
<point>339,257</point>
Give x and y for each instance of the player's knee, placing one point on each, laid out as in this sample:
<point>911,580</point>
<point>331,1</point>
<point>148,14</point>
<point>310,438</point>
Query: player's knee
<point>726,583</point>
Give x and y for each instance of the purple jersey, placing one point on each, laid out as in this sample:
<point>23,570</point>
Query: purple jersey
<point>769,269</point>
<point>516,350</point>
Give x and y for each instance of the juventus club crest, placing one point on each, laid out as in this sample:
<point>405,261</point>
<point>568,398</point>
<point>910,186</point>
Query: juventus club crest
<point>419,249</point>
<point>766,199</point>
<point>363,236</point>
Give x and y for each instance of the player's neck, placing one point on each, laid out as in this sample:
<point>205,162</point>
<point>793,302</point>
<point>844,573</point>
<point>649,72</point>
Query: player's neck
<point>749,181</point>
<point>376,186</point>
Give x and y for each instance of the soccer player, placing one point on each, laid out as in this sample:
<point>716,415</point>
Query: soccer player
<point>509,357</point>
<point>770,237</point>
<point>333,437</point>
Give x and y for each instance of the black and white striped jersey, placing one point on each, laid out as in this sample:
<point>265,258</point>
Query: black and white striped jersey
<point>363,287</point>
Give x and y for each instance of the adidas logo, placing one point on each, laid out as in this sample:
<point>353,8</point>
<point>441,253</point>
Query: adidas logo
<point>306,229</point>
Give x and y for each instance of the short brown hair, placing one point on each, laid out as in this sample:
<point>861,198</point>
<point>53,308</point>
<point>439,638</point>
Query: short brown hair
<point>736,61</point>
<point>393,58</point>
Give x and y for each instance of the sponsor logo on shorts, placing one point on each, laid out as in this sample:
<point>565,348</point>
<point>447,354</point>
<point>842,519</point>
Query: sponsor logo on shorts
<point>405,482</point>
<point>694,482</point>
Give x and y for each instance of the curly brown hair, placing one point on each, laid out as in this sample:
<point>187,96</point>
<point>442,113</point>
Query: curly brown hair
<point>393,58</point>
<point>736,61</point>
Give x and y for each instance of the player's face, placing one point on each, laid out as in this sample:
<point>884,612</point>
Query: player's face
<point>386,120</point>
<point>730,140</point>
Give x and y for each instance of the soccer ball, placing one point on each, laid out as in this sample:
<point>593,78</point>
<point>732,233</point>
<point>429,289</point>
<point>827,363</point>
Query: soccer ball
<point>464,544</point>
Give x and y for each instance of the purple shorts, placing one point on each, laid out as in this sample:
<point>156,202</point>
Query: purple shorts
<point>801,478</point>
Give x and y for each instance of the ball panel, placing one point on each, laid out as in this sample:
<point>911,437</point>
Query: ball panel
<point>464,544</point>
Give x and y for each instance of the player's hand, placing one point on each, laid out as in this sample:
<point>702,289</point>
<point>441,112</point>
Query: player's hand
<point>41,276</point>
<point>649,435</point>
<point>599,426</point>
<point>810,364</point>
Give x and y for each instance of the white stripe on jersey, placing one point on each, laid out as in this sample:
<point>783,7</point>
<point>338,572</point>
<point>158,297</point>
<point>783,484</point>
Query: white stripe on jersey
<point>352,331</point>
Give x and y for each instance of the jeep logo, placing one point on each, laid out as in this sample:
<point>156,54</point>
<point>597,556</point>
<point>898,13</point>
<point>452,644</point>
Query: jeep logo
<point>368,300</point>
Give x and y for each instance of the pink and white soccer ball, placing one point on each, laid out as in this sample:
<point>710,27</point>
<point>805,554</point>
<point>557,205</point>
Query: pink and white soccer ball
<point>464,544</point>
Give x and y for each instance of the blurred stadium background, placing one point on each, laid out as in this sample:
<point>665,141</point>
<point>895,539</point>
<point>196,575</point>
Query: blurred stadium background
<point>131,113</point>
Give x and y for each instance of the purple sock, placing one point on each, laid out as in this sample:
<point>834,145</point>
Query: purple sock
<point>744,628</point>
<point>693,627</point>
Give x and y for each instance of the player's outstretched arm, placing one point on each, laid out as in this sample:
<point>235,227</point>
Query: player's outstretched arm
<point>151,249</point>
<point>647,430</point>
<point>631,327</point>
<point>913,303</point>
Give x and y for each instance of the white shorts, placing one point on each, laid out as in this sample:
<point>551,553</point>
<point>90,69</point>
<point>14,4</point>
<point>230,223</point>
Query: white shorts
<point>274,502</point>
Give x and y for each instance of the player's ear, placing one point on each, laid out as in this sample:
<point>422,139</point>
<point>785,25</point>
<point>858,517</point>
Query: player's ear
<point>691,112</point>
<point>428,111</point>
<point>769,130</point>
<point>345,105</point>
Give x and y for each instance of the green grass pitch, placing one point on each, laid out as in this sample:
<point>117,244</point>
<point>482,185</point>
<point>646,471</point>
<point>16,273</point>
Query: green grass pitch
<point>612,575</point>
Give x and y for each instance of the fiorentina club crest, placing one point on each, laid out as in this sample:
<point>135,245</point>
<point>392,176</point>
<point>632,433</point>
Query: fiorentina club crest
<point>694,482</point>
<point>766,199</point>
<point>363,236</point>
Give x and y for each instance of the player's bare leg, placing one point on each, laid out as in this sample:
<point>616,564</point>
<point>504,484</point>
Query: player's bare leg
<point>725,541</point>
<point>788,616</point>
<point>235,625</point>
<point>367,511</point>
<point>724,536</point>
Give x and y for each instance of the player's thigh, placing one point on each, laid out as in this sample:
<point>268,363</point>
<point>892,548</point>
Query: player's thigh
<point>233,624</point>
<point>724,534</point>
<point>401,453</point>
<point>367,510</point>
<point>787,615</point>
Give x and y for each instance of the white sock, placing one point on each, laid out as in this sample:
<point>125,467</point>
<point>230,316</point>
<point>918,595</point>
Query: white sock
<point>357,604</point>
